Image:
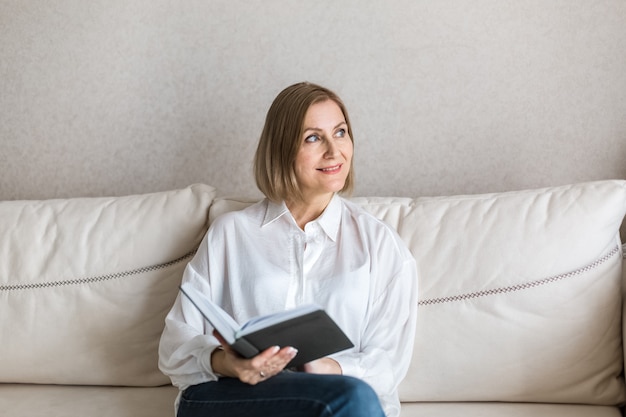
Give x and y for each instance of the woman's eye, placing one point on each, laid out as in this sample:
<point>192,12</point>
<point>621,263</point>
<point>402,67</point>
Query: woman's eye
<point>340,133</point>
<point>312,138</point>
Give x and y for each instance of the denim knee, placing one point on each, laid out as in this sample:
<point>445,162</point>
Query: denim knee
<point>359,399</point>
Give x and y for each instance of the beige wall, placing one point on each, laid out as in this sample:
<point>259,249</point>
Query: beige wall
<point>114,96</point>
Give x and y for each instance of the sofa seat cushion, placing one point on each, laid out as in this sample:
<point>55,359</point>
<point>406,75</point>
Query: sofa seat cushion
<point>494,409</point>
<point>19,400</point>
<point>85,284</point>
<point>25,400</point>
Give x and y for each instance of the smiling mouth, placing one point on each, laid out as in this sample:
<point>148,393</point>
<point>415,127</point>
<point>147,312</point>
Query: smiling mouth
<point>330,170</point>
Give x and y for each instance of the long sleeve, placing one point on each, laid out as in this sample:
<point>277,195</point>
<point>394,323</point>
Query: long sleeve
<point>186,343</point>
<point>385,352</point>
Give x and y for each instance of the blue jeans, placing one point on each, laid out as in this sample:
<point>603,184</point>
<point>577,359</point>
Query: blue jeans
<point>288,394</point>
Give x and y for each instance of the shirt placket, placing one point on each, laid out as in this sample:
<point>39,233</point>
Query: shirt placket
<point>313,249</point>
<point>295,292</point>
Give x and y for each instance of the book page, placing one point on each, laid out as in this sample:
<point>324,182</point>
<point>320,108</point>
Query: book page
<point>218,318</point>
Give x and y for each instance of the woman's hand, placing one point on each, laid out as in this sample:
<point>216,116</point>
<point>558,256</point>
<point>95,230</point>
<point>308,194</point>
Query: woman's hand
<point>322,366</point>
<point>265,365</point>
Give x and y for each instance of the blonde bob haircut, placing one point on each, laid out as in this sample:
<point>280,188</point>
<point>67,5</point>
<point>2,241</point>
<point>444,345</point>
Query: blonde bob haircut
<point>281,139</point>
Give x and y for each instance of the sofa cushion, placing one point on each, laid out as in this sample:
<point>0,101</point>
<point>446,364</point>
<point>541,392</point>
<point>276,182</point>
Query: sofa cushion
<point>520,294</point>
<point>85,284</point>
<point>63,401</point>
<point>30,400</point>
<point>496,409</point>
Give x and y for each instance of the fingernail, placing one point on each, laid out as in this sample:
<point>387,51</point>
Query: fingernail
<point>293,351</point>
<point>275,349</point>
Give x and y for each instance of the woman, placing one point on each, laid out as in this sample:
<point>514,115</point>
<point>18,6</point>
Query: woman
<point>302,244</point>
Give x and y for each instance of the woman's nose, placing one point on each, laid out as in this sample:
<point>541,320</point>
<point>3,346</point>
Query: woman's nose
<point>331,149</point>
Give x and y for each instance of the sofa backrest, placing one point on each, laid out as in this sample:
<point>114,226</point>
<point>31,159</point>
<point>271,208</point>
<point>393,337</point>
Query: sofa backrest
<point>520,293</point>
<point>85,284</point>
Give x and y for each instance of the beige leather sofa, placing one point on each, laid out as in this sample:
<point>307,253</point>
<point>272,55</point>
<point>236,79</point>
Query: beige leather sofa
<point>520,300</point>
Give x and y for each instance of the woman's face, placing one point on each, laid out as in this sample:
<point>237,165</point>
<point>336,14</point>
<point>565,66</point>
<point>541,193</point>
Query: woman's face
<point>325,156</point>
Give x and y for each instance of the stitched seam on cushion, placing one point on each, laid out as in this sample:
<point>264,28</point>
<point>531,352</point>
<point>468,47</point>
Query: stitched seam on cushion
<point>521,287</point>
<point>99,278</point>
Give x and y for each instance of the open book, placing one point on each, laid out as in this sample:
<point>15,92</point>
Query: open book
<point>308,329</point>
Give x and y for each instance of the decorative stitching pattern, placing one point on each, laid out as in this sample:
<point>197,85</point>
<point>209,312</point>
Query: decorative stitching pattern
<point>100,278</point>
<point>520,287</point>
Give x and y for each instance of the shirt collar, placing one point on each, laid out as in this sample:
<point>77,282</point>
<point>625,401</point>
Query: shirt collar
<point>274,211</point>
<point>329,221</point>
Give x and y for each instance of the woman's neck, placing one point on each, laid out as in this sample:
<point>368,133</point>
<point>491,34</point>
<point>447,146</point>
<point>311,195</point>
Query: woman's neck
<point>306,211</point>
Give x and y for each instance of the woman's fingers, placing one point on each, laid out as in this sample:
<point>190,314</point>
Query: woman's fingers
<point>274,360</point>
<point>270,362</point>
<point>261,367</point>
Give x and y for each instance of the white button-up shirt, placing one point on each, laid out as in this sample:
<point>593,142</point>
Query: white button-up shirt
<point>258,261</point>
